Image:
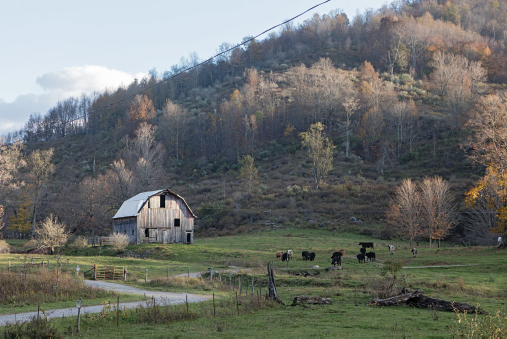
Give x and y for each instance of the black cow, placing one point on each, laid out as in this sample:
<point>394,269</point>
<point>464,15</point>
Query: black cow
<point>336,254</point>
<point>285,257</point>
<point>306,255</point>
<point>363,250</point>
<point>366,244</point>
<point>336,261</point>
<point>312,256</point>
<point>360,257</point>
<point>370,256</point>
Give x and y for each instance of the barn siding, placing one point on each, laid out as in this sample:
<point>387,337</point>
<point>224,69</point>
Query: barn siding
<point>126,226</point>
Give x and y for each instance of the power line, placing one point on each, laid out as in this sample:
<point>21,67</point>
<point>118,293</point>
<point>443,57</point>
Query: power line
<point>190,68</point>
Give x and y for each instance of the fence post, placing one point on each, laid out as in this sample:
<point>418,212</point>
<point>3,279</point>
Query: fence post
<point>94,271</point>
<point>189,273</point>
<point>145,275</point>
<point>9,269</point>
<point>168,273</point>
<point>124,274</point>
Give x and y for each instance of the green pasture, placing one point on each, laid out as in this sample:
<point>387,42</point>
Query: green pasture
<point>479,279</point>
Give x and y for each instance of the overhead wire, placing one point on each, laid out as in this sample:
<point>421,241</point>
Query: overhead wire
<point>190,68</point>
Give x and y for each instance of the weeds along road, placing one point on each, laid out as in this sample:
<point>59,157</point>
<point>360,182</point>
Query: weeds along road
<point>161,298</point>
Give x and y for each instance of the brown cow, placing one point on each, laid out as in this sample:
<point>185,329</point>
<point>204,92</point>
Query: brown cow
<point>279,254</point>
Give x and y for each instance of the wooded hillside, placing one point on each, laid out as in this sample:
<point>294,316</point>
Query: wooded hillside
<point>396,90</point>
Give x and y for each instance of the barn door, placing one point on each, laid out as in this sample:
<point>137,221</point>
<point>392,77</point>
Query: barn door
<point>153,234</point>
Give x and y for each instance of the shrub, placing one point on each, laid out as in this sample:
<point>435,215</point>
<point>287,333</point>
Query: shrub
<point>4,246</point>
<point>80,243</point>
<point>485,326</point>
<point>389,283</point>
<point>119,241</point>
<point>35,328</point>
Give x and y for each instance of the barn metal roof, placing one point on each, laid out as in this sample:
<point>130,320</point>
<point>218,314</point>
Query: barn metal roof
<point>132,206</point>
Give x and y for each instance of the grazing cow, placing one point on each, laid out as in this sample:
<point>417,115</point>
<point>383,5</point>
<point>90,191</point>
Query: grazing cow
<point>362,250</point>
<point>414,252</point>
<point>306,255</point>
<point>370,256</point>
<point>360,257</point>
<point>312,256</point>
<point>336,261</point>
<point>366,244</point>
<point>285,256</point>
<point>289,253</point>
<point>391,249</point>
<point>279,254</point>
<point>336,254</point>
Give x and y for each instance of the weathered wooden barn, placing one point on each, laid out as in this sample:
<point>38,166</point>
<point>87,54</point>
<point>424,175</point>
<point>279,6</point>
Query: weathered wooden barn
<point>158,216</point>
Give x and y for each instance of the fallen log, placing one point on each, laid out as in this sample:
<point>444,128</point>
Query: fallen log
<point>311,300</point>
<point>417,299</point>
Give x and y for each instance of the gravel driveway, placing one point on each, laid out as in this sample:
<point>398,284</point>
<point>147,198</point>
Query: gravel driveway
<point>163,298</point>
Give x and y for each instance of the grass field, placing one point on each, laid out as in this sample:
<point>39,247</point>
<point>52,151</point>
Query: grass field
<point>481,280</point>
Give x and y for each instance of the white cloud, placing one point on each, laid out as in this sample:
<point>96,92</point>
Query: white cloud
<point>59,85</point>
<point>84,79</point>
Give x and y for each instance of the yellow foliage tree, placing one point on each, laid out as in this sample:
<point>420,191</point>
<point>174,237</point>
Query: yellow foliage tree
<point>20,221</point>
<point>492,192</point>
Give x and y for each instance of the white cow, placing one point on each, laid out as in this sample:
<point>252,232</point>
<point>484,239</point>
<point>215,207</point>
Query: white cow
<point>414,252</point>
<point>391,249</point>
<point>289,254</point>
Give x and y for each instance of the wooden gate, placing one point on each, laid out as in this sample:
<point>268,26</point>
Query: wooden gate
<point>108,272</point>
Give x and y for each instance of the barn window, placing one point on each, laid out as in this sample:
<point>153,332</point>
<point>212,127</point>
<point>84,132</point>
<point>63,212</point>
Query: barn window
<point>147,233</point>
<point>132,232</point>
<point>149,203</point>
<point>176,222</point>
<point>162,201</point>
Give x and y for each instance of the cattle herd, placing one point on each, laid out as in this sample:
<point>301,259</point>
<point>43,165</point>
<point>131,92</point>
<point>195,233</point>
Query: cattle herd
<point>336,258</point>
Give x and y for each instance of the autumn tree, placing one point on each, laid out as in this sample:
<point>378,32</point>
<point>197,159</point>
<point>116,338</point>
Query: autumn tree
<point>141,110</point>
<point>248,172</point>
<point>404,209</point>
<point>486,216</point>
<point>20,220</point>
<point>40,170</point>
<point>320,150</point>
<point>438,213</point>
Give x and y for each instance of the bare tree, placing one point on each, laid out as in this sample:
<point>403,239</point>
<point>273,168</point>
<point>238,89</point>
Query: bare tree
<point>404,208</point>
<point>437,208</point>
<point>248,172</point>
<point>41,168</point>
<point>350,105</point>
<point>173,122</point>
<point>144,156</point>
<point>488,126</point>
<point>50,233</point>
<point>320,150</point>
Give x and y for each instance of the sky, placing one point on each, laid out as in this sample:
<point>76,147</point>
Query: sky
<point>53,49</point>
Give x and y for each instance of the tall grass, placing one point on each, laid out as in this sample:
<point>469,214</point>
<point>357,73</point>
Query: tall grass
<point>39,288</point>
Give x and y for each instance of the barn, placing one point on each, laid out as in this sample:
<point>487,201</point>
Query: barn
<point>157,216</point>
